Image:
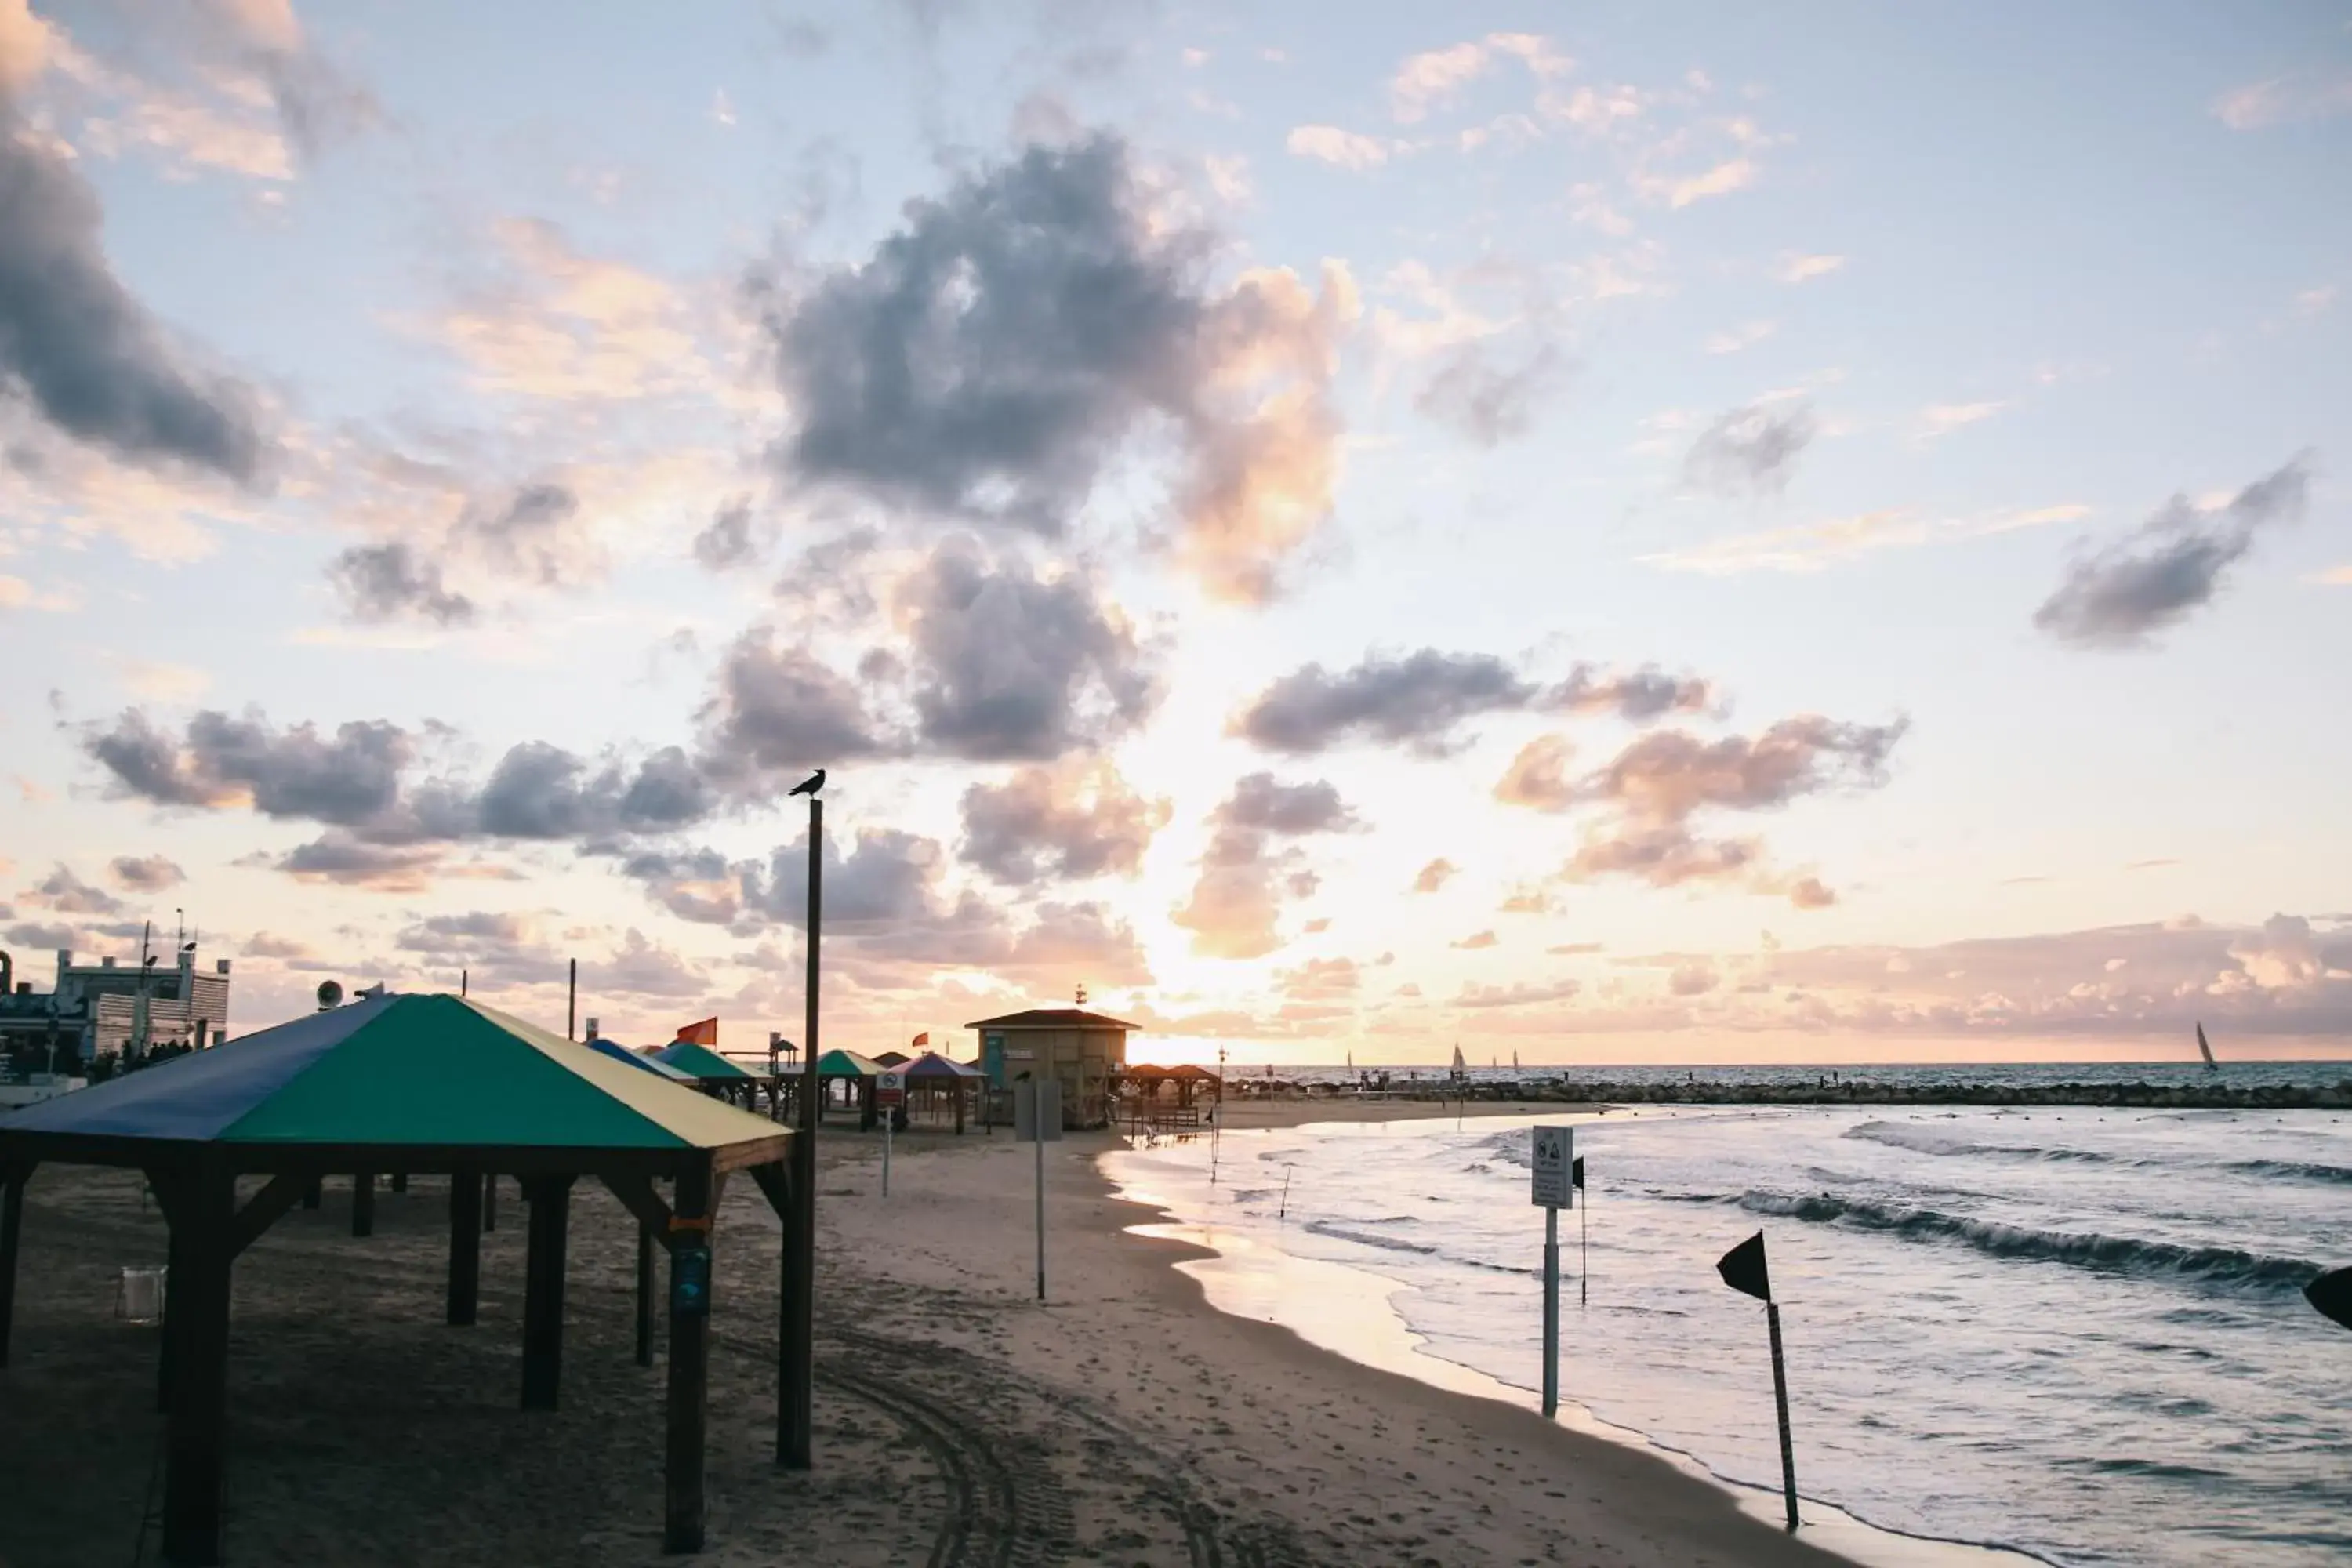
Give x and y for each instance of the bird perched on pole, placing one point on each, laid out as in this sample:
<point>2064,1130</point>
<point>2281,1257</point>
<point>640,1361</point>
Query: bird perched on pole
<point>810,785</point>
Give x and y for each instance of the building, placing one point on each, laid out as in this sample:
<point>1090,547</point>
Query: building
<point>1082,1049</point>
<point>109,1007</point>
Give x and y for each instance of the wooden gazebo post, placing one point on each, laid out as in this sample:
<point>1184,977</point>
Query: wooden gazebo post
<point>689,1361</point>
<point>200,1211</point>
<point>13,1177</point>
<point>465,1245</point>
<point>543,1291</point>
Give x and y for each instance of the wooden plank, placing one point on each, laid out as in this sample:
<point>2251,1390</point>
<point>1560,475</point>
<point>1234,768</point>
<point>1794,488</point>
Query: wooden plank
<point>795,1362</point>
<point>637,1196</point>
<point>262,1211</point>
<point>490,1201</point>
<point>465,1247</point>
<point>192,1465</point>
<point>689,1393</point>
<point>12,1229</point>
<point>542,1294</point>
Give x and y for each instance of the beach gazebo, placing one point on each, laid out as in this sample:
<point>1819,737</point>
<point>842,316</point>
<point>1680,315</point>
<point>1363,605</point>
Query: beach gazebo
<point>417,1083</point>
<point>707,1067</point>
<point>839,1066</point>
<point>932,1075</point>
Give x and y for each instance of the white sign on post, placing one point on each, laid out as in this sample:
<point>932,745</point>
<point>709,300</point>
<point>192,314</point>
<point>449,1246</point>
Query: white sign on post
<point>1552,1167</point>
<point>890,1089</point>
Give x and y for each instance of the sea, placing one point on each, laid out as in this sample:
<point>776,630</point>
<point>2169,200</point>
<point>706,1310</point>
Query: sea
<point>2078,1334</point>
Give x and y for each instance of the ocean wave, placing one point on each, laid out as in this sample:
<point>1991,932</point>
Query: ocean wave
<point>1927,1140</point>
<point>1364,1238</point>
<point>2292,1170</point>
<point>2223,1266</point>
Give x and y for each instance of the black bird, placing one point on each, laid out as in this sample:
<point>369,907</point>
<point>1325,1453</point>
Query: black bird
<point>810,785</point>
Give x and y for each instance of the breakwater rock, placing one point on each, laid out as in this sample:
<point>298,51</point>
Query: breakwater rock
<point>2216,1096</point>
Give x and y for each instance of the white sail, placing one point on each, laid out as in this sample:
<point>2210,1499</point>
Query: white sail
<point>2206,1050</point>
<point>1458,1067</point>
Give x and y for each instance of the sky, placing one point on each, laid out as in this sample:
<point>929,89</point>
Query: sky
<point>1595,532</point>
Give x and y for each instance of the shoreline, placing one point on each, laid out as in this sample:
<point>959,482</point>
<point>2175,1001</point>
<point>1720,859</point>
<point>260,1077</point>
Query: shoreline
<point>1243,1276</point>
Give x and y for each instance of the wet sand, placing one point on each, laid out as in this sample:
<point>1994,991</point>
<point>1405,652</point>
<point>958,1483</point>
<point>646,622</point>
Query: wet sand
<point>1123,1422</point>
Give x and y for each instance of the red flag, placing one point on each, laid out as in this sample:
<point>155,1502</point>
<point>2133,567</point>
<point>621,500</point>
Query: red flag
<point>924,1038</point>
<point>706,1033</point>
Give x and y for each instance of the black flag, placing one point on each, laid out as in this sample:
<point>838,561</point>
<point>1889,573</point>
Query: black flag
<point>1742,1268</point>
<point>2332,1294</point>
<point>1576,1172</point>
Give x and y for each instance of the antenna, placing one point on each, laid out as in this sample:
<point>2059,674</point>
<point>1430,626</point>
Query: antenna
<point>1082,994</point>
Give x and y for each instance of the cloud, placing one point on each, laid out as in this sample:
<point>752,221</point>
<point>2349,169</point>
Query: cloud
<point>1430,79</point>
<point>1942,418</point>
<point>36,934</point>
<point>1435,875</point>
<point>1538,776</point>
<point>729,539</point>
<point>75,345</point>
<point>1798,267</point>
<point>887,919</point>
<point>1740,338</point>
<point>1734,173</point>
<point>1750,451</point>
<point>146,874</point>
<point>1346,149</point>
<point>1010,666</point>
<point>1525,993</point>
<point>1244,875</point>
<point>15,593</point>
<point>1476,940</point>
<point>1420,701</point>
<point>991,358</point>
<point>68,894</point>
<point>556,324</point>
<point>349,862</point>
<point>1486,402</point>
<point>262,944</point>
<point>1815,546</point>
<point>1655,788</point>
<point>1066,823</point>
<point>2299,95</point>
<point>2120,593</point>
<point>780,711</point>
<point>365,782</point>
<point>393,581</point>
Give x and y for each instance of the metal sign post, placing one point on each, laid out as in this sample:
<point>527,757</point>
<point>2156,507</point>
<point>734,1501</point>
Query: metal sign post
<point>1037,1116</point>
<point>889,1094</point>
<point>1551,1186</point>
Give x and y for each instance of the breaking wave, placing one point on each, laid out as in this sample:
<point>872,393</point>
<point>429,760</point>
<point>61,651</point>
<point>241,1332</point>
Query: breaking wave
<point>1927,1140</point>
<point>2223,1266</point>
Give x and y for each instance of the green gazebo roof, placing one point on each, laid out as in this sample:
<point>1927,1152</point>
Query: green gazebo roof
<point>845,1064</point>
<point>409,1071</point>
<point>699,1062</point>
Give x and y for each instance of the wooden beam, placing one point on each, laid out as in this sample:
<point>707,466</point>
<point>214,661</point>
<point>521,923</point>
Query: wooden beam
<point>489,1200</point>
<point>637,1196</point>
<point>400,1181</point>
<point>311,1195</point>
<point>363,1203</point>
<point>198,1419</point>
<point>542,1292</point>
<point>263,1211</point>
<point>12,1230</point>
<point>465,1247</point>
<point>689,1367</point>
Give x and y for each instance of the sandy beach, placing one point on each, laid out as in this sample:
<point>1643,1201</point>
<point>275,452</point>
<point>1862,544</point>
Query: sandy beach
<point>1124,1422</point>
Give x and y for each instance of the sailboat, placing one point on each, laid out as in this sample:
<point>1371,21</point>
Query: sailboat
<point>1515,1061</point>
<point>2206,1050</point>
<point>1460,1070</point>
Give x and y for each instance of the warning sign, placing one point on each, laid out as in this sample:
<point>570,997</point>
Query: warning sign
<point>1554,1155</point>
<point>889,1090</point>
